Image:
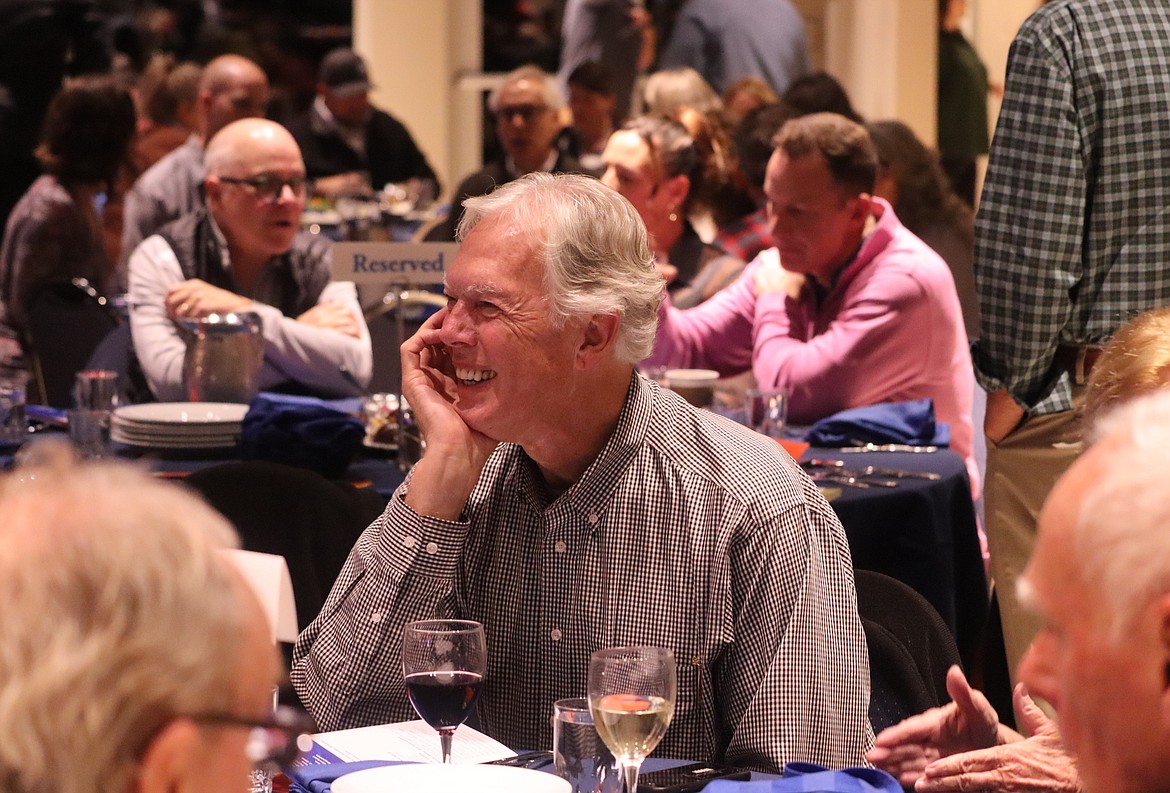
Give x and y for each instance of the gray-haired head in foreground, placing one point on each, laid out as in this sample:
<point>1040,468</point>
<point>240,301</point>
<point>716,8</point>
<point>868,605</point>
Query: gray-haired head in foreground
<point>119,614</point>
<point>596,257</point>
<point>1120,540</point>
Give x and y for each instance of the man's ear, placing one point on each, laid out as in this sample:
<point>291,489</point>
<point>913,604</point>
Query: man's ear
<point>167,763</point>
<point>862,208</point>
<point>600,335</point>
<point>212,187</point>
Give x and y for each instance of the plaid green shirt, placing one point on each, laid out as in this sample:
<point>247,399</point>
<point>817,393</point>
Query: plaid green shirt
<point>1072,239</point>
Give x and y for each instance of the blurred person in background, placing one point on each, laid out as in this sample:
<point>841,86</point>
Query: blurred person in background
<point>963,133</point>
<point>350,146</point>
<point>656,165</point>
<point>41,43</point>
<point>727,39</point>
<point>617,33</point>
<point>54,233</point>
<point>911,179</point>
<point>527,107</point>
<point>591,101</point>
<point>745,95</point>
<point>168,94</point>
<point>245,252</point>
<point>230,88</point>
<point>134,659</point>
<point>819,92</point>
<point>750,233</point>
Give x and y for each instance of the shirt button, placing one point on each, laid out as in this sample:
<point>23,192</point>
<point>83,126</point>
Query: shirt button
<point>432,548</point>
<point>376,617</point>
<point>593,518</point>
<point>560,546</point>
<point>555,634</point>
<point>409,541</point>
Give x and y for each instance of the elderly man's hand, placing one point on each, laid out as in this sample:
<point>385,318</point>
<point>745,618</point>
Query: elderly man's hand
<point>197,298</point>
<point>332,316</point>
<point>1038,764</point>
<point>455,453</point>
<point>771,277</point>
<point>967,723</point>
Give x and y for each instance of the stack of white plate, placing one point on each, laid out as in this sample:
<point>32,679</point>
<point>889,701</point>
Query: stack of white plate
<point>178,425</point>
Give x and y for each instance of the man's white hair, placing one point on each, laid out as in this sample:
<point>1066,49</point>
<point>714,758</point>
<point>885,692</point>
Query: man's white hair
<point>119,614</point>
<point>1122,535</point>
<point>593,245</point>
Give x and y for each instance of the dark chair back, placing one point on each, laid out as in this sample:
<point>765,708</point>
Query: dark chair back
<point>298,514</point>
<point>910,649</point>
<point>66,322</point>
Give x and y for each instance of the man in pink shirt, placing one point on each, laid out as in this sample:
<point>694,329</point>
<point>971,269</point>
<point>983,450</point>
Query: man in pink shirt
<point>861,312</point>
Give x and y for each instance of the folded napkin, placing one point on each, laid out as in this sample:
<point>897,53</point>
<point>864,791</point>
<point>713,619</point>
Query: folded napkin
<point>301,431</point>
<point>319,778</point>
<point>813,778</point>
<point>890,422</point>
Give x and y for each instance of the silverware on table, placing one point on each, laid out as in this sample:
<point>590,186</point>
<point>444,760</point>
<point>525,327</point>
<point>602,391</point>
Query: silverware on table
<point>886,447</point>
<point>871,470</point>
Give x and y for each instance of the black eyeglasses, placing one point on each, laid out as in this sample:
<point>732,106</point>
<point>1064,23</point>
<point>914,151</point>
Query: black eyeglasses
<point>270,187</point>
<point>526,112</point>
<point>275,742</point>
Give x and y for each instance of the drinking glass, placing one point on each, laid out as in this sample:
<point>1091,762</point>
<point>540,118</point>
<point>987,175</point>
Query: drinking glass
<point>581,758</point>
<point>767,410</point>
<point>443,663</point>
<point>95,395</point>
<point>13,424</point>
<point>631,695</point>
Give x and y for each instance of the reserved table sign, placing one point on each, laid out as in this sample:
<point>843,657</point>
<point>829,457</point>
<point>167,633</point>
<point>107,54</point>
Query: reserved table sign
<point>380,263</point>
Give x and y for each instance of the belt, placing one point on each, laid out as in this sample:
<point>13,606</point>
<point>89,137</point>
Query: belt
<point>1078,361</point>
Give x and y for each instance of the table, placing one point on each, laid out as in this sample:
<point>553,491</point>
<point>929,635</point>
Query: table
<point>921,532</point>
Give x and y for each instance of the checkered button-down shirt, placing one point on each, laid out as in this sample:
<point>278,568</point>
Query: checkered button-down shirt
<point>1073,232</point>
<point>687,532</point>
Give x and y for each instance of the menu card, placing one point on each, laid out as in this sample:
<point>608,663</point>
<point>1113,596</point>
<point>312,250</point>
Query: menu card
<point>408,741</point>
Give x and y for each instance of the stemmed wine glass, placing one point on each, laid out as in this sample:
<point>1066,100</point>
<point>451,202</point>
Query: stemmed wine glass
<point>443,663</point>
<point>631,694</point>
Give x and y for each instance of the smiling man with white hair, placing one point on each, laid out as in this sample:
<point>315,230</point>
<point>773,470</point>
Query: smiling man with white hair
<point>244,253</point>
<point>570,504</point>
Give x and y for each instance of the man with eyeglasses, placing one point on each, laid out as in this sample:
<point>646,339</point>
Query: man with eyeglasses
<point>244,253</point>
<point>133,656</point>
<point>527,108</point>
<point>230,88</point>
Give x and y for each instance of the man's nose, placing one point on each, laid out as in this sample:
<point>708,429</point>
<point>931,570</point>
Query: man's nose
<point>457,327</point>
<point>1038,672</point>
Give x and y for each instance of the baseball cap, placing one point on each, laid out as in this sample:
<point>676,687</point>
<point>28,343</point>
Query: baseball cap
<point>344,73</point>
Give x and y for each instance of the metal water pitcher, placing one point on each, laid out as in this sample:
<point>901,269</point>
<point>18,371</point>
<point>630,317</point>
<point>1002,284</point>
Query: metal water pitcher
<point>224,356</point>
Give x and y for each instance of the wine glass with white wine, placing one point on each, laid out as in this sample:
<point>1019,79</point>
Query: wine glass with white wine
<point>631,694</point>
<point>443,662</point>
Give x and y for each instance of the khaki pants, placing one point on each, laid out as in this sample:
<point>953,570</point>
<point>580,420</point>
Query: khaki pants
<point>1021,470</point>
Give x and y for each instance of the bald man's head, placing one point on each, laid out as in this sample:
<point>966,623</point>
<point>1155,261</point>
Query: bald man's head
<point>232,88</point>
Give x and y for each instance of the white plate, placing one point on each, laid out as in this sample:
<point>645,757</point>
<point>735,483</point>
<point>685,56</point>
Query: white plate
<point>217,442</point>
<point>175,430</point>
<point>436,778</point>
<point>183,413</point>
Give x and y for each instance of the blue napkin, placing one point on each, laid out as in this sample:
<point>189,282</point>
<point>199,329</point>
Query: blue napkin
<point>890,422</point>
<point>319,778</point>
<point>301,431</point>
<point>813,778</point>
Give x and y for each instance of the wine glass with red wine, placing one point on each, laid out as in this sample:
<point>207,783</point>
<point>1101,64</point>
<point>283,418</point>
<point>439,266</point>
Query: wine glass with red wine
<point>443,662</point>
